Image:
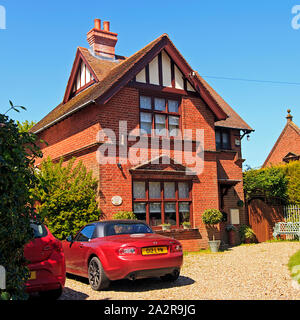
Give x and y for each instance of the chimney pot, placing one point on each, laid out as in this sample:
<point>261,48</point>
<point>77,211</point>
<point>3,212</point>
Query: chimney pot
<point>102,42</point>
<point>98,24</point>
<point>106,25</point>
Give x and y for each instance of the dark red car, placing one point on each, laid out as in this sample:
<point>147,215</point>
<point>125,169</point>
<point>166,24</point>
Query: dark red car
<point>119,249</point>
<point>47,263</point>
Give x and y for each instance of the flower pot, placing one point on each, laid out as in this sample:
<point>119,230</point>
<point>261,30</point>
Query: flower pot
<point>214,245</point>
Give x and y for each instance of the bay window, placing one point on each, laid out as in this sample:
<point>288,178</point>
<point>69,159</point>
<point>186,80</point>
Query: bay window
<point>158,202</point>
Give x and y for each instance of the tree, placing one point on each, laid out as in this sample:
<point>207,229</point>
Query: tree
<point>25,126</point>
<point>66,196</point>
<point>211,217</point>
<point>17,153</point>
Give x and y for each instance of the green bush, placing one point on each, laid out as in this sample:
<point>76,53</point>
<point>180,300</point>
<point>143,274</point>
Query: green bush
<point>281,181</point>
<point>17,153</point>
<point>66,196</point>
<point>212,217</point>
<point>269,182</point>
<point>127,215</point>
<point>246,232</point>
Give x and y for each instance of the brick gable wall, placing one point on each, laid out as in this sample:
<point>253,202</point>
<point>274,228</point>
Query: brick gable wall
<point>289,142</point>
<point>76,136</point>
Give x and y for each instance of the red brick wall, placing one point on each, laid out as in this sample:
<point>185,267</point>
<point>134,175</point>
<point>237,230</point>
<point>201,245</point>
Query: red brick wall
<point>79,131</point>
<point>289,142</point>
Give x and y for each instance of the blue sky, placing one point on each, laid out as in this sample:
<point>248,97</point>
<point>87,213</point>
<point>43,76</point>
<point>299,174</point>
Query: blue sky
<point>235,39</point>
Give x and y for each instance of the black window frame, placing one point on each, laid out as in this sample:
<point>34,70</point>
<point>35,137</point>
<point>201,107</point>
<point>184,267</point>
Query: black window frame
<point>223,131</point>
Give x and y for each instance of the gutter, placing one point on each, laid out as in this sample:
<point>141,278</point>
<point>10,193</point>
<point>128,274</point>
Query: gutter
<point>64,116</point>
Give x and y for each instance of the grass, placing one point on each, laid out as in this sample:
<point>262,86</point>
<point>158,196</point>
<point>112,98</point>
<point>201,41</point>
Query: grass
<point>294,266</point>
<point>282,240</point>
<point>202,251</point>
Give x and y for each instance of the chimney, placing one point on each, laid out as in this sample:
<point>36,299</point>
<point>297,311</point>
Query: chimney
<point>102,42</point>
<point>289,117</point>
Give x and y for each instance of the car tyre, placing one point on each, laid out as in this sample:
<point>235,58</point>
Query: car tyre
<point>51,294</point>
<point>171,277</point>
<point>97,277</point>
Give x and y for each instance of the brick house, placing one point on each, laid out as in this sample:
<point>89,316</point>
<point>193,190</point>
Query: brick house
<point>154,90</point>
<point>287,146</point>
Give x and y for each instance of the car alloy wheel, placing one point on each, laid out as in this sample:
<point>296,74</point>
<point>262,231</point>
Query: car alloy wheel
<point>97,277</point>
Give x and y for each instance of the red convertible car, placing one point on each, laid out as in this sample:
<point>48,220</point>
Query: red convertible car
<point>120,249</point>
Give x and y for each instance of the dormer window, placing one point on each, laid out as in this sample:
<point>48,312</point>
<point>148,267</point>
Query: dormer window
<point>83,79</point>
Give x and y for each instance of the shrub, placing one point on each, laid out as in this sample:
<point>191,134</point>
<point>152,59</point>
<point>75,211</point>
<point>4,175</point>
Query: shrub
<point>246,233</point>
<point>66,197</point>
<point>269,182</point>
<point>17,153</point>
<point>281,181</point>
<point>212,217</point>
<point>127,215</point>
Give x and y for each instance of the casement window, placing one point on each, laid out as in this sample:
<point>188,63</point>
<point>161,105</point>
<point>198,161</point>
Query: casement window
<point>162,115</point>
<point>158,202</point>
<point>223,139</point>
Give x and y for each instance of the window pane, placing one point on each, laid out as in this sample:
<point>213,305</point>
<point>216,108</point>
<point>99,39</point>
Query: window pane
<point>169,190</point>
<point>170,213</point>
<point>145,102</point>
<point>139,210</point>
<point>225,137</point>
<point>160,124</point>
<point>86,233</point>
<point>218,140</point>
<point>155,214</point>
<point>139,190</point>
<point>173,126</point>
<point>173,106</point>
<point>183,190</point>
<point>146,122</point>
<point>154,190</point>
<point>160,104</point>
<point>184,212</point>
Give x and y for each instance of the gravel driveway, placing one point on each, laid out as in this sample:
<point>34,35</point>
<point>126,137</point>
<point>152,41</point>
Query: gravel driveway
<point>257,272</point>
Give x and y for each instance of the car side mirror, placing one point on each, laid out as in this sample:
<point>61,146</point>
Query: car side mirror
<point>69,239</point>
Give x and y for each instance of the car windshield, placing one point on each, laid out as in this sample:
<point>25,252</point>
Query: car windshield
<point>39,230</point>
<point>127,228</point>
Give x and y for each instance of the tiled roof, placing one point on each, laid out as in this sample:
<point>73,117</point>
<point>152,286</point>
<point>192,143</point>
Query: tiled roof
<point>110,73</point>
<point>234,120</point>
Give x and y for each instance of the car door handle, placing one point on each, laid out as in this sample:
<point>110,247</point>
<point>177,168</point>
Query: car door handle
<point>81,245</point>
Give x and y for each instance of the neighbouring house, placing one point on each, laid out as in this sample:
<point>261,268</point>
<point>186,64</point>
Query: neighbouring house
<point>287,146</point>
<point>157,91</point>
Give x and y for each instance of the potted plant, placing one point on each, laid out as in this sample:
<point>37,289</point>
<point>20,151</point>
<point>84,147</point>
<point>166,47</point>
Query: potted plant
<point>166,226</point>
<point>247,235</point>
<point>211,217</point>
<point>186,225</point>
<point>231,229</point>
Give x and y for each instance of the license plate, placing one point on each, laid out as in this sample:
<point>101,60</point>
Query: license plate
<point>32,275</point>
<point>154,250</point>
